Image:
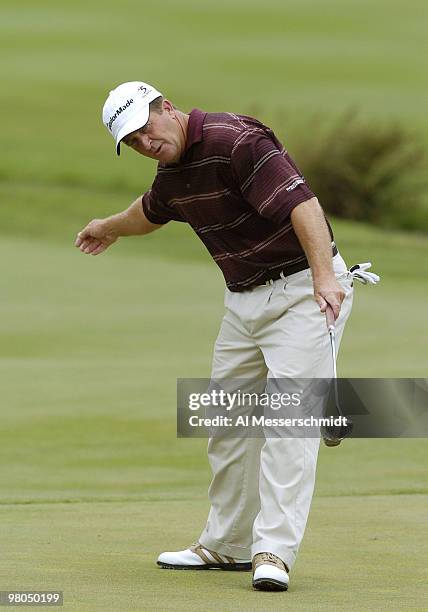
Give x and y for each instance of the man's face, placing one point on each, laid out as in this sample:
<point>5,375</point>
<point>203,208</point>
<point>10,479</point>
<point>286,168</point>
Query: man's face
<point>161,138</point>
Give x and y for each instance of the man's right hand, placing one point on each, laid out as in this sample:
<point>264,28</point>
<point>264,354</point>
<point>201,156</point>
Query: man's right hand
<point>96,237</point>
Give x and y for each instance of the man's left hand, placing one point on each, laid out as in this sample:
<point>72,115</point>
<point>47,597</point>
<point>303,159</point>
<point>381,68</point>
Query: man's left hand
<point>329,292</point>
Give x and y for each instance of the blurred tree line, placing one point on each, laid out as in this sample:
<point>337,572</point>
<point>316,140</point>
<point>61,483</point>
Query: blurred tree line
<point>360,169</point>
<point>375,173</point>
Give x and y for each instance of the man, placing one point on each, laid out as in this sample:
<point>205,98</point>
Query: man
<point>230,178</point>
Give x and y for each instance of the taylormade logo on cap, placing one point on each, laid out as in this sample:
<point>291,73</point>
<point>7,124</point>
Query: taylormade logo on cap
<point>119,110</point>
<point>127,109</point>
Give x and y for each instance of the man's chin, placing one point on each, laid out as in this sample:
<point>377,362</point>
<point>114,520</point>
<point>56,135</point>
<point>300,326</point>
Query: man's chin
<point>168,157</point>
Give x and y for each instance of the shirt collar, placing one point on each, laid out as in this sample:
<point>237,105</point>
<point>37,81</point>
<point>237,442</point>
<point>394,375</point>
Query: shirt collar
<point>194,128</point>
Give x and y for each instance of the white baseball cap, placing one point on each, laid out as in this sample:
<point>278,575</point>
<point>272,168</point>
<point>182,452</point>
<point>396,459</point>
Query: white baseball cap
<point>127,109</point>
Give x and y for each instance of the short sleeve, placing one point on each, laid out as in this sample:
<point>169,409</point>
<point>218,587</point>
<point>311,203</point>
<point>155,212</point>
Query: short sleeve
<point>267,177</point>
<point>156,211</point>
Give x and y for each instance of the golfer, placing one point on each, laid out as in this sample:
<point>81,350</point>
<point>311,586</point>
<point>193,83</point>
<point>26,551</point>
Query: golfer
<point>231,179</point>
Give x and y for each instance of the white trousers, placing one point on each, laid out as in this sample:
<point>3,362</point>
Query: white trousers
<point>262,489</point>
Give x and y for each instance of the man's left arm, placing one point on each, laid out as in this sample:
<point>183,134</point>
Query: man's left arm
<point>311,229</point>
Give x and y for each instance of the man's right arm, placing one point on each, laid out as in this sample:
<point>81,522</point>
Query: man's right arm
<point>99,234</point>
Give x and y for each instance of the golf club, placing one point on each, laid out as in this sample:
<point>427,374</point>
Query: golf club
<point>333,435</point>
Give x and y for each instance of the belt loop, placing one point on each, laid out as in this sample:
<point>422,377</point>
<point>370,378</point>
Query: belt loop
<point>284,278</point>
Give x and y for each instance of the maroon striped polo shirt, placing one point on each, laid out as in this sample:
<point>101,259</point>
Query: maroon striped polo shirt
<point>236,186</point>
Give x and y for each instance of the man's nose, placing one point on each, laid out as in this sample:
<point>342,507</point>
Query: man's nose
<point>145,142</point>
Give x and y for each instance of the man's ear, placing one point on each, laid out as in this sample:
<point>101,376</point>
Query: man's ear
<point>168,107</point>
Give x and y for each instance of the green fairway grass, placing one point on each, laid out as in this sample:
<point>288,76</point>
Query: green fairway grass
<point>94,482</point>
<point>360,553</point>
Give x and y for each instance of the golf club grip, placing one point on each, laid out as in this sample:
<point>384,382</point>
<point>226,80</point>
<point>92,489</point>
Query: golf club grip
<point>329,315</point>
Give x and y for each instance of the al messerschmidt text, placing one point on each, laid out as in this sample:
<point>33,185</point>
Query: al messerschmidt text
<point>254,421</point>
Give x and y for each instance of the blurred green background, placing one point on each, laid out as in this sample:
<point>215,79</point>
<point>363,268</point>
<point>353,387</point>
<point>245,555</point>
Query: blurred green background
<point>94,483</point>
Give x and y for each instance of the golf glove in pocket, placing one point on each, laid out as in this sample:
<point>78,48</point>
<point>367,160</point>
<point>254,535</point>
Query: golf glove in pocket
<point>359,272</point>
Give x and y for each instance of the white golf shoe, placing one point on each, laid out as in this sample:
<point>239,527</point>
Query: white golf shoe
<point>197,557</point>
<point>269,573</point>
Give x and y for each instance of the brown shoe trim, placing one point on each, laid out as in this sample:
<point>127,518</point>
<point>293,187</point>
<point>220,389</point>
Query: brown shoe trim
<point>268,558</point>
<point>200,551</point>
<point>216,556</point>
<point>197,548</point>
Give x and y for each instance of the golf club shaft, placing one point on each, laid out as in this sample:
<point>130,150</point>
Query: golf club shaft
<point>336,438</point>
<point>329,315</point>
